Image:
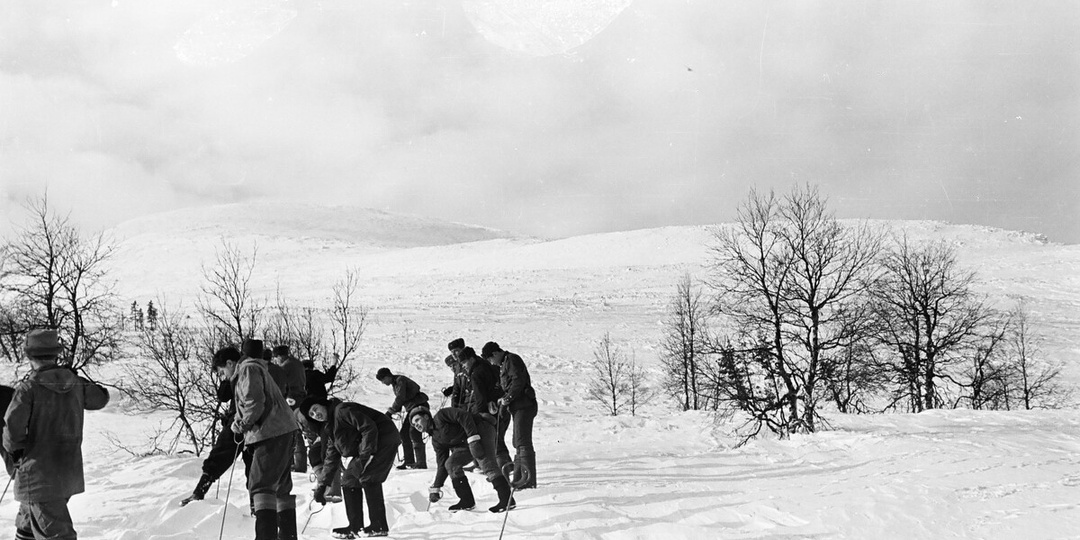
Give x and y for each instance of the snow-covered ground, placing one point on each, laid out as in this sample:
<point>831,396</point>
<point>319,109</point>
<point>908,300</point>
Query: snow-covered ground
<point>663,474</point>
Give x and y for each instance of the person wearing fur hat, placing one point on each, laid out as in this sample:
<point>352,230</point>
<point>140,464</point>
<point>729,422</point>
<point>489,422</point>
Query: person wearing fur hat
<point>458,437</point>
<point>407,394</point>
<point>370,438</point>
<point>484,398</point>
<point>458,391</point>
<point>43,433</point>
<point>519,399</point>
<point>266,423</point>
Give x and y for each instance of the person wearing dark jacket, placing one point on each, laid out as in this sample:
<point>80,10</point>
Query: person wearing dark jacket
<point>317,380</point>
<point>226,446</point>
<point>458,391</point>
<point>370,438</point>
<point>407,394</point>
<point>43,433</point>
<point>484,398</point>
<point>267,425</point>
<point>458,437</point>
<point>295,392</point>
<point>519,399</point>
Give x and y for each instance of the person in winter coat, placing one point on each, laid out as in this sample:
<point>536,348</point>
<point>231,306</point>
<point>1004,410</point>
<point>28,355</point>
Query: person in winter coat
<point>519,399</point>
<point>226,446</point>
<point>295,392</point>
<point>43,433</point>
<point>371,439</point>
<point>458,391</point>
<point>484,399</point>
<point>407,395</point>
<point>458,437</point>
<point>265,421</point>
<point>317,380</point>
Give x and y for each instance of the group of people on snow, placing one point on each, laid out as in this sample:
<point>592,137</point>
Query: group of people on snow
<point>280,417</point>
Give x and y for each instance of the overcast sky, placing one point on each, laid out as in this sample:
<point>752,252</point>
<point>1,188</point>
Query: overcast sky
<point>667,113</point>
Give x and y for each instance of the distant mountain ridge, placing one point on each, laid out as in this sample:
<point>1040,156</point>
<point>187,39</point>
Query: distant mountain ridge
<point>284,220</point>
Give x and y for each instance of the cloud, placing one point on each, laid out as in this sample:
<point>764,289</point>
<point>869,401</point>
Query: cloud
<point>928,110</point>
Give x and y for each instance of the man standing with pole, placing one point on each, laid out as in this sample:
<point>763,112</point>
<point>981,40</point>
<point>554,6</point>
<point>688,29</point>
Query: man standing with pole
<point>43,433</point>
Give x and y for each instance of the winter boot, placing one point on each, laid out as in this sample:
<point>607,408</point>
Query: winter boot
<point>286,522</point>
<point>342,532</point>
<point>506,501</point>
<point>376,507</point>
<point>524,469</point>
<point>464,493</point>
<point>299,459</point>
<point>266,524</point>
<point>420,452</point>
<point>354,508</point>
<point>200,490</point>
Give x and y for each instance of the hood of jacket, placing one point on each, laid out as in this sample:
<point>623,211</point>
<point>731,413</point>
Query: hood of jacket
<point>56,379</point>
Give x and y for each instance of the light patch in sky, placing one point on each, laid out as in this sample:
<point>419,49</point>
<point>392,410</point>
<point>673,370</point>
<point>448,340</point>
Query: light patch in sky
<point>541,27</point>
<point>233,32</point>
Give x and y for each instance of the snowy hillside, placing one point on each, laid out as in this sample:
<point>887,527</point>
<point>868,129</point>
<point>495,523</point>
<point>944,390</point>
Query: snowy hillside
<point>664,474</point>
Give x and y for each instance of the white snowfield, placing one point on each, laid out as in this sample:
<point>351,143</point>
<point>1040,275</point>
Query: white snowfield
<point>663,474</point>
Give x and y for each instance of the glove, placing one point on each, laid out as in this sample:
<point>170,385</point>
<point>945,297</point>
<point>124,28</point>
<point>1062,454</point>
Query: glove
<point>448,391</point>
<point>503,402</point>
<point>476,448</point>
<point>434,494</point>
<point>16,458</point>
<point>493,408</point>
<point>320,494</point>
<point>237,428</point>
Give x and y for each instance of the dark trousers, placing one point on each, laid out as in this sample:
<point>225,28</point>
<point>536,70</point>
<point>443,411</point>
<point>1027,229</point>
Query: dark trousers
<point>409,439</point>
<point>299,458</point>
<point>523,426</point>
<point>223,453</point>
<point>45,519</point>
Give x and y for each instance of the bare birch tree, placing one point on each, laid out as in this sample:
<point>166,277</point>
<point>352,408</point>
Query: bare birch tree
<point>792,280</point>
<point>227,300</point>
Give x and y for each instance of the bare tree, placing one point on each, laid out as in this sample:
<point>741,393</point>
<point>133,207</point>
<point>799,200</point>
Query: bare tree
<point>175,380</point>
<point>638,391</point>
<point>930,317</point>
<point>684,344</point>
<point>1035,383</point>
<point>58,276</point>
<point>609,382</point>
<point>792,280</point>
<point>227,300</point>
<point>986,385</point>
<point>349,318</point>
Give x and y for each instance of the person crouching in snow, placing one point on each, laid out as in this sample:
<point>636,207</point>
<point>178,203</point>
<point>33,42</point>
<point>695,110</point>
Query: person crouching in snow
<point>459,436</point>
<point>43,433</point>
<point>371,439</point>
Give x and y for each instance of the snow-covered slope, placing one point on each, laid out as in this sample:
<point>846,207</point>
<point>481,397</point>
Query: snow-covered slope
<point>663,474</point>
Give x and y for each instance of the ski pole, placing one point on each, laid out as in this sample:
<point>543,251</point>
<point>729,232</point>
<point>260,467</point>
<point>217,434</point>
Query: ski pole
<point>429,500</point>
<point>310,513</point>
<point>10,478</point>
<point>228,491</point>
<point>513,488</point>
